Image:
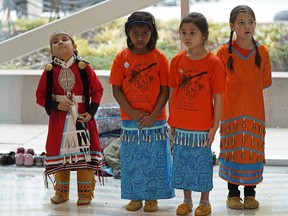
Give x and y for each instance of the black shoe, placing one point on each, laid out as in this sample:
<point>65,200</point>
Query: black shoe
<point>8,159</point>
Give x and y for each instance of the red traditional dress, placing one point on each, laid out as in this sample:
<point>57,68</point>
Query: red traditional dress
<point>71,145</point>
<point>243,116</point>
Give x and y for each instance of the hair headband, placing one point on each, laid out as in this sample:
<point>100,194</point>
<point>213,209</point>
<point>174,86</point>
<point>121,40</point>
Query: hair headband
<point>132,22</point>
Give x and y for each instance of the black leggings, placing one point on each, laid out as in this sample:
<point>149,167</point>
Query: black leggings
<point>235,192</point>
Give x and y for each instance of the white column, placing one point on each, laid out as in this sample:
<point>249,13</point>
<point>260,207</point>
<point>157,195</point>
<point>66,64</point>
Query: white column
<point>34,8</point>
<point>185,9</point>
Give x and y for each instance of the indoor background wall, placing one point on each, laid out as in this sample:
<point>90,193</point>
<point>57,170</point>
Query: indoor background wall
<point>18,101</point>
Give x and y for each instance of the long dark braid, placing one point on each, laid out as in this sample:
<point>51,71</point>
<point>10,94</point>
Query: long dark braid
<point>230,60</point>
<point>85,82</point>
<point>258,58</point>
<point>49,87</point>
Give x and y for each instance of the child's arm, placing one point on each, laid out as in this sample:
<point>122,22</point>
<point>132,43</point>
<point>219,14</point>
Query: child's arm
<point>148,121</point>
<point>170,96</point>
<point>171,90</point>
<point>124,104</point>
<point>217,112</point>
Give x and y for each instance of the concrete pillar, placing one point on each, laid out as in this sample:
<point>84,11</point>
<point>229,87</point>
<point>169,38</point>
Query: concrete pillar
<point>34,8</point>
<point>185,9</point>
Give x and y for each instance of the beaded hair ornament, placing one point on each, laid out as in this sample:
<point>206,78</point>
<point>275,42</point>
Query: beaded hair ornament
<point>60,32</point>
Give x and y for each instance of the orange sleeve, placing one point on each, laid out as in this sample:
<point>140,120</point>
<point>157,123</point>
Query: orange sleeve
<point>267,73</point>
<point>174,76</point>
<point>163,70</point>
<point>217,78</point>
<point>116,73</point>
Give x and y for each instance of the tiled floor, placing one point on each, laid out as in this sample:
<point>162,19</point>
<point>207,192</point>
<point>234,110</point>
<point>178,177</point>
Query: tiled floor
<point>22,189</point>
<point>23,193</point>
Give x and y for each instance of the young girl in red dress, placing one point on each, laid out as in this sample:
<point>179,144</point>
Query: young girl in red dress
<point>70,91</point>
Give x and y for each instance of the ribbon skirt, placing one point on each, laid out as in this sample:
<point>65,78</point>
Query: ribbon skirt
<point>146,165</point>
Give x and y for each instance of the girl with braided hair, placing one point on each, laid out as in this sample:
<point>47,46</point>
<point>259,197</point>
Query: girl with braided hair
<point>139,77</point>
<point>248,73</point>
<point>71,92</point>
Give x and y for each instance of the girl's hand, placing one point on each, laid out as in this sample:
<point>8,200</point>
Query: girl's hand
<point>84,117</point>
<point>171,134</point>
<point>172,131</point>
<point>146,121</point>
<point>137,115</point>
<point>65,105</point>
<point>211,136</point>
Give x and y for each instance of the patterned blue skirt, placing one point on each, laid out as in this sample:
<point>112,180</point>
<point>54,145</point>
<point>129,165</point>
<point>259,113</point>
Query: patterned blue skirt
<point>192,161</point>
<point>146,165</point>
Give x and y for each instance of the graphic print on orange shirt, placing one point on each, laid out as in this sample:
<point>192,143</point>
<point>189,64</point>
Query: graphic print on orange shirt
<point>139,82</point>
<point>190,85</point>
<point>140,78</point>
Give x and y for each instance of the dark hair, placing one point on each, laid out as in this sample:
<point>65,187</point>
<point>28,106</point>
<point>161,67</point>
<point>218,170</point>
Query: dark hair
<point>233,16</point>
<point>141,18</point>
<point>197,19</point>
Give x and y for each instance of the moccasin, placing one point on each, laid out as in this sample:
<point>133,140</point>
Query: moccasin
<point>250,203</point>
<point>83,200</point>
<point>234,203</point>
<point>184,209</point>
<point>134,205</point>
<point>202,210</point>
<point>57,199</point>
<point>151,206</point>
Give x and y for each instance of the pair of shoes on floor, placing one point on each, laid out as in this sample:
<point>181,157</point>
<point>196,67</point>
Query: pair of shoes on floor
<point>203,210</point>
<point>25,158</point>
<point>236,203</point>
<point>59,198</point>
<point>184,209</point>
<point>135,205</point>
<point>8,159</point>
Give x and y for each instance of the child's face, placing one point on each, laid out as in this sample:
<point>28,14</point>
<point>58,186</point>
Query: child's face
<point>244,26</point>
<point>140,37</point>
<point>62,47</point>
<point>191,36</point>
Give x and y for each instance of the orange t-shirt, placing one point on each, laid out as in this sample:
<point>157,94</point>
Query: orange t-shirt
<point>195,82</point>
<point>141,77</point>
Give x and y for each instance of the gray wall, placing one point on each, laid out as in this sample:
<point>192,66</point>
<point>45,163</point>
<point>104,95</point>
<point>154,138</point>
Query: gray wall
<point>18,106</point>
